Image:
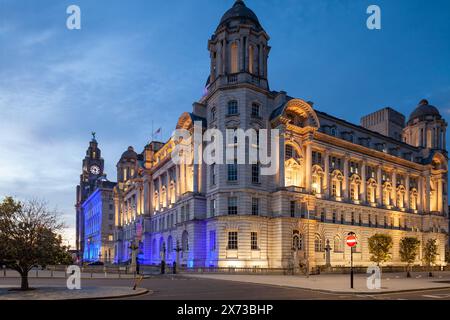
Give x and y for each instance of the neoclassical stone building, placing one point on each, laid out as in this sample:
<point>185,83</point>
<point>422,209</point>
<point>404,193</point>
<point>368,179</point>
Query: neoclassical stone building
<point>335,177</point>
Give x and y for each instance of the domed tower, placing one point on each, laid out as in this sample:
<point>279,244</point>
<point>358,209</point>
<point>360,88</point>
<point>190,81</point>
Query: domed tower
<point>127,165</point>
<point>426,128</point>
<point>239,49</point>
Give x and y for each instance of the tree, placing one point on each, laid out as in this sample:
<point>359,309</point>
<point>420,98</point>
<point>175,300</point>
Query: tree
<point>408,252</point>
<point>429,254</point>
<point>29,237</point>
<point>379,247</point>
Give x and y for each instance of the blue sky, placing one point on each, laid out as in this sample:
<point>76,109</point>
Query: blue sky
<point>141,61</point>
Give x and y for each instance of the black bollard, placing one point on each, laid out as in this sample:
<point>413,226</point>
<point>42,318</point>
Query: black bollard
<point>163,267</point>
<point>174,267</point>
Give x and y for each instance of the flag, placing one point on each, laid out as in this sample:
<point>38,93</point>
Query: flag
<point>158,131</point>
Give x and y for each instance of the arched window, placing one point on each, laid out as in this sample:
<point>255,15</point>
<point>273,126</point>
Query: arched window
<point>234,58</point>
<point>185,241</point>
<point>213,114</point>
<point>337,244</point>
<point>297,241</point>
<point>318,245</point>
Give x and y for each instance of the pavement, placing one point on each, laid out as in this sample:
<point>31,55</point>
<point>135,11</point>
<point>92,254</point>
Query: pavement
<point>61,293</point>
<point>337,283</point>
<point>203,287</point>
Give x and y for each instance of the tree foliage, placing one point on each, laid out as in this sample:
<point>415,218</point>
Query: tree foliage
<point>409,247</point>
<point>29,236</point>
<point>379,248</point>
<point>430,252</point>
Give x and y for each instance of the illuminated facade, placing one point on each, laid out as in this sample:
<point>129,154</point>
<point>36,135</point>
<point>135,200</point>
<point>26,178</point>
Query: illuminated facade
<point>334,176</point>
<point>98,212</point>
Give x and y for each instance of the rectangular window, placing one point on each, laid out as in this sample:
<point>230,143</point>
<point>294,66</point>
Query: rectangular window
<point>251,56</point>
<point>322,216</point>
<point>292,209</point>
<point>254,241</point>
<point>255,173</point>
<point>232,172</point>
<point>232,206</point>
<point>289,152</point>
<point>333,189</point>
<point>232,240</point>
<point>232,107</point>
<point>255,110</point>
<point>255,206</point>
<point>234,58</point>
<point>334,217</point>
<point>212,240</point>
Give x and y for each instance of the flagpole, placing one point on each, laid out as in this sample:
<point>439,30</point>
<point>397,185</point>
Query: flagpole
<point>153,131</point>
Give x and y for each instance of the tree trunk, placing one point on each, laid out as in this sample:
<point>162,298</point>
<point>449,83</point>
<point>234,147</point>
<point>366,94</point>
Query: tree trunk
<point>408,271</point>
<point>24,283</point>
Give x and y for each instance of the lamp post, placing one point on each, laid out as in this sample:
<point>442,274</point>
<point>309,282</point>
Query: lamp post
<point>134,249</point>
<point>163,258</point>
<point>178,249</point>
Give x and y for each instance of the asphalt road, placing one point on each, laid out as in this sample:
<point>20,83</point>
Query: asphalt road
<point>181,288</point>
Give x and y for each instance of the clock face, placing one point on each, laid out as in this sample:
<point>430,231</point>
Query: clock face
<point>95,170</point>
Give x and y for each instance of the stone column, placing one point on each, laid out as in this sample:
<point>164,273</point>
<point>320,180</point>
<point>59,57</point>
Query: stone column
<point>427,192</point>
<point>196,178</point>
<point>177,182</point>
<point>363,197</point>
<point>159,193</point>
<point>281,152</point>
<point>407,191</point>
<point>379,195</point>
<point>167,189</point>
<point>420,196</point>
<point>439,195</point>
<point>394,187</point>
<point>260,60</point>
<point>308,166</point>
<point>150,197</point>
<point>219,62</point>
<point>326,178</point>
<point>346,179</point>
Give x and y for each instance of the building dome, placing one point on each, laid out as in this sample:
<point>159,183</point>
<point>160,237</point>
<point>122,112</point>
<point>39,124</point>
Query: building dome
<point>241,12</point>
<point>129,154</point>
<point>423,110</point>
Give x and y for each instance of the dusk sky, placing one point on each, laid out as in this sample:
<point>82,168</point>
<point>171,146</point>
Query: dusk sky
<point>141,61</point>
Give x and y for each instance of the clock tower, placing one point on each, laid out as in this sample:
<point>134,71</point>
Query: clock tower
<point>92,169</point>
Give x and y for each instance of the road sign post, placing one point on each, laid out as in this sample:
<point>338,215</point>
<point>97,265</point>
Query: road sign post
<point>351,242</point>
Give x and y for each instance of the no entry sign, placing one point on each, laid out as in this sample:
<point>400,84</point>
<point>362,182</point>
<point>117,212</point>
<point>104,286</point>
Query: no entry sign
<point>351,241</point>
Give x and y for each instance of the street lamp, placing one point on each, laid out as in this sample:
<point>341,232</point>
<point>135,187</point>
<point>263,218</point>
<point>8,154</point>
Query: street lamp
<point>178,249</point>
